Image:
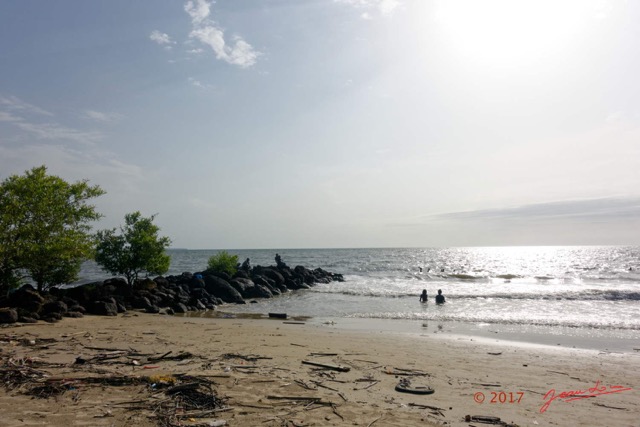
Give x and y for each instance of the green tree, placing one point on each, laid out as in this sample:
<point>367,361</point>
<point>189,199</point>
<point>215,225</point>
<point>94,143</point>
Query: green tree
<point>44,228</point>
<point>137,248</point>
<point>223,261</point>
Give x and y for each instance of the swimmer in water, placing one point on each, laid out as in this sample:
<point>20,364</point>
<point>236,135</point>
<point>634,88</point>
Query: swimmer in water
<point>423,296</point>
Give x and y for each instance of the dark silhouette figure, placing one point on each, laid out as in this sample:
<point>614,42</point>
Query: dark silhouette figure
<point>423,296</point>
<point>246,265</point>
<point>279,262</point>
<point>439,297</point>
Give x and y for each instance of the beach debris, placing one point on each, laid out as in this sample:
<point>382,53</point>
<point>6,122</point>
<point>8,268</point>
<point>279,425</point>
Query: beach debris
<point>293,323</point>
<point>374,382</point>
<point>248,358</point>
<point>405,386</point>
<point>421,406</point>
<point>403,372</point>
<point>327,366</point>
<point>375,421</point>
<point>610,407</point>
<point>278,315</point>
<point>495,354</point>
<point>486,419</point>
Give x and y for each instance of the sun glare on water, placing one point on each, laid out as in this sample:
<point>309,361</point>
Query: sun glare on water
<point>513,32</point>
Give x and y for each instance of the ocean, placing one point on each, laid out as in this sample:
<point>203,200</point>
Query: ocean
<point>587,297</point>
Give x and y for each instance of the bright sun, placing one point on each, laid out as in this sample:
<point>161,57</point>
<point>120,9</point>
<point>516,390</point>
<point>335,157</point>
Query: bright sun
<point>514,32</point>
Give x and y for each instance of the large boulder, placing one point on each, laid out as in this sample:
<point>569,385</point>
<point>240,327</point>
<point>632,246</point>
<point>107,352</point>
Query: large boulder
<point>242,285</point>
<point>103,308</point>
<point>249,289</point>
<point>196,283</point>
<point>273,275</point>
<point>179,308</point>
<point>269,284</point>
<point>26,298</point>
<point>54,307</point>
<point>220,288</point>
<point>8,315</point>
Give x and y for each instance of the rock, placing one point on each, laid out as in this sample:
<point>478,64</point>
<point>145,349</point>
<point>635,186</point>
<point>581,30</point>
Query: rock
<point>242,274</point>
<point>196,283</point>
<point>78,308</point>
<point>102,308</point>
<point>138,301</point>
<point>73,314</point>
<point>273,275</point>
<point>242,285</point>
<point>27,298</point>
<point>221,274</point>
<point>179,308</point>
<point>145,284</point>
<point>162,282</point>
<point>8,315</point>
<point>152,309</point>
<point>52,317</point>
<point>26,319</point>
<point>269,284</point>
<point>54,307</point>
<point>220,288</point>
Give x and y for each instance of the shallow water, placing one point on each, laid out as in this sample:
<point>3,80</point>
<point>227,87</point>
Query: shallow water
<point>589,294</point>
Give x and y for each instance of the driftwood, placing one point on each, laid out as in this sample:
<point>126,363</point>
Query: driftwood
<point>326,366</point>
<point>421,406</point>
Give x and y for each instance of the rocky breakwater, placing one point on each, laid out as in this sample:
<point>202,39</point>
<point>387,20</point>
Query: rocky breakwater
<point>167,295</point>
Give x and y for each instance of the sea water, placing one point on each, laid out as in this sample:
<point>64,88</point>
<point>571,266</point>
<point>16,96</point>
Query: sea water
<point>576,296</point>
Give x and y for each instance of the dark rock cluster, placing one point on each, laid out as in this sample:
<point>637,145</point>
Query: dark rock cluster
<point>167,295</point>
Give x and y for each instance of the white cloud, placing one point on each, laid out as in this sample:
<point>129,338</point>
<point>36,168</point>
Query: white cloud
<point>384,7</point>
<point>55,131</point>
<point>205,31</point>
<point>8,117</point>
<point>197,83</point>
<point>198,10</point>
<point>162,39</point>
<point>26,117</point>
<point>387,7</point>
<point>101,117</point>
<point>13,103</point>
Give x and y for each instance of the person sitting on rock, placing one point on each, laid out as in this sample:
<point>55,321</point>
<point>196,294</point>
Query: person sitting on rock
<point>279,262</point>
<point>246,265</point>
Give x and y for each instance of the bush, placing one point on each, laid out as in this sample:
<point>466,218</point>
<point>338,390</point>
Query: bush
<point>223,261</point>
<point>137,249</point>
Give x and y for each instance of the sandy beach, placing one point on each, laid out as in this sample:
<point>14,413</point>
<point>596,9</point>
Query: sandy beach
<point>118,371</point>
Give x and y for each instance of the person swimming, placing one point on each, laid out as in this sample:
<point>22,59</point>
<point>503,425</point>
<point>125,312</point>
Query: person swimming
<point>439,297</point>
<point>423,296</point>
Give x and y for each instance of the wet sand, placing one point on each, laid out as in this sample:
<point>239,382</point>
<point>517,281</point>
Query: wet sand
<point>256,368</point>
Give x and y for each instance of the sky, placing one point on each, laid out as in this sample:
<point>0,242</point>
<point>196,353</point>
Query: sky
<point>334,123</point>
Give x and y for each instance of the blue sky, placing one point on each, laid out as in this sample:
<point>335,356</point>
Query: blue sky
<point>334,123</point>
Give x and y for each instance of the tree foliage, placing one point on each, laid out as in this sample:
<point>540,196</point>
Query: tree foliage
<point>44,228</point>
<point>137,249</point>
<point>224,262</point>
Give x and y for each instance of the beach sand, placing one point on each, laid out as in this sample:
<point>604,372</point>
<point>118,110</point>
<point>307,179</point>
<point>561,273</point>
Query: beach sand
<point>256,368</point>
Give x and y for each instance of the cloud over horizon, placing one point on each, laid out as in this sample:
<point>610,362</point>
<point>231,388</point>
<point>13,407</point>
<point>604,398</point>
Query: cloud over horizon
<point>607,208</point>
<point>205,31</point>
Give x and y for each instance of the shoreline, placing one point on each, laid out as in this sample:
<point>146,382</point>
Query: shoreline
<point>548,336</point>
<point>256,365</point>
